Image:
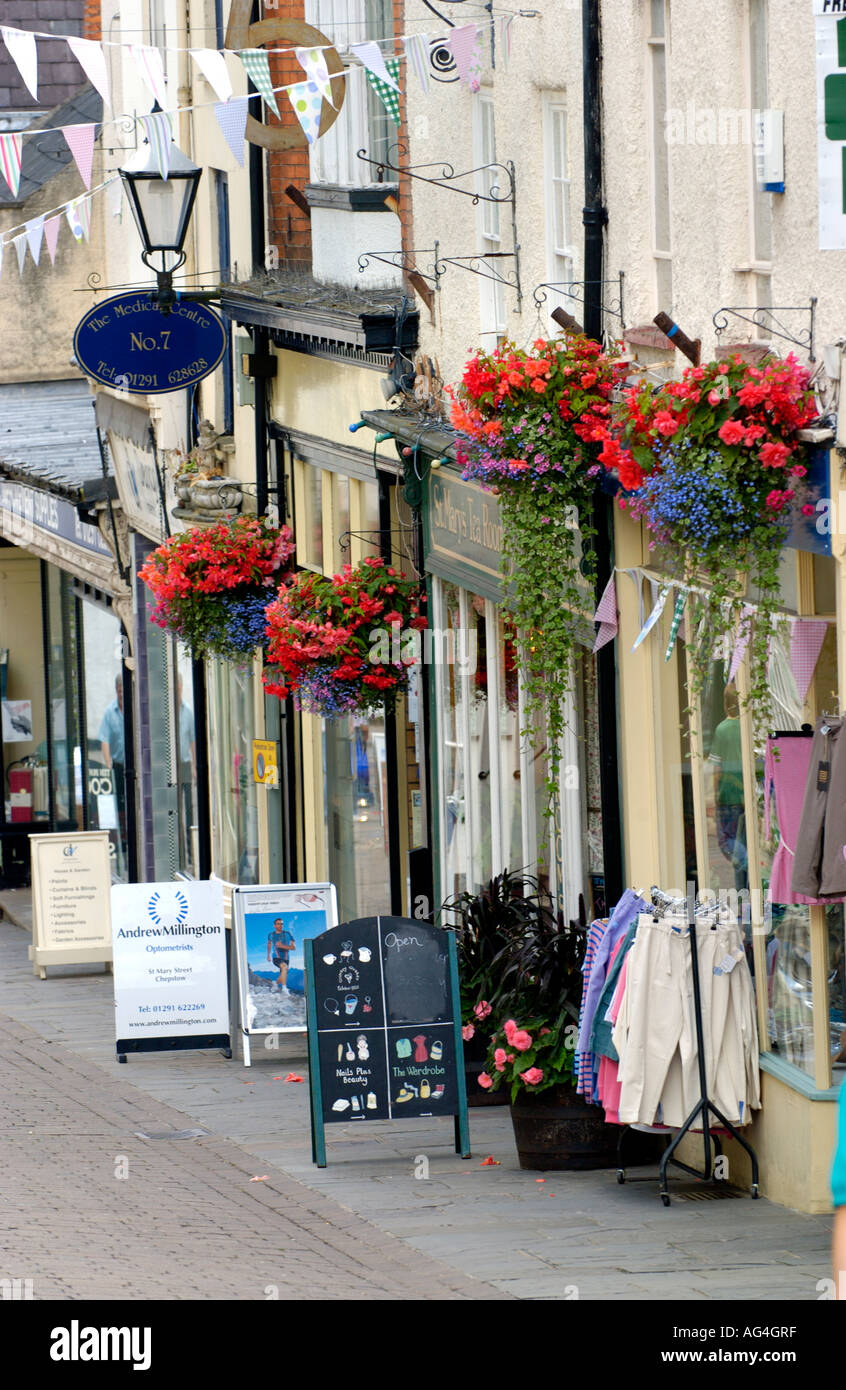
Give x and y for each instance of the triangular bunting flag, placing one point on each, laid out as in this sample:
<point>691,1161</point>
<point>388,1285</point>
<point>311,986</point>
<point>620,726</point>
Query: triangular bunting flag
<point>307,102</point>
<point>160,135</point>
<point>80,140</point>
<point>660,604</point>
<point>606,615</point>
<point>91,58</point>
<point>464,42</point>
<point>213,67</point>
<point>313,63</point>
<point>678,614</point>
<point>115,196</point>
<point>151,68</point>
<point>51,236</point>
<point>34,230</point>
<point>417,53</point>
<point>806,642</point>
<point>389,94</point>
<point>370,55</point>
<point>257,68</point>
<point>11,147</point>
<point>76,221</point>
<point>19,243</point>
<point>22,51</point>
<point>232,119</point>
<point>741,641</point>
<point>505,24</point>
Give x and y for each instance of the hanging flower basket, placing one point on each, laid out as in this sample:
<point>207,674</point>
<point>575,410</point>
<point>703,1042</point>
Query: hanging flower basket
<point>713,465</point>
<point>528,422</point>
<point>345,644</point>
<point>212,584</point>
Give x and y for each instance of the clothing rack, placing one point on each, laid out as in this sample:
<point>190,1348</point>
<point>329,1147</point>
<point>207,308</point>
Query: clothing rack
<point>664,905</point>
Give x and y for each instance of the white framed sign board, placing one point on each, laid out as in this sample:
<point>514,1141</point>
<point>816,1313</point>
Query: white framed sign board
<point>71,878</point>
<point>171,989</point>
<point>270,923</point>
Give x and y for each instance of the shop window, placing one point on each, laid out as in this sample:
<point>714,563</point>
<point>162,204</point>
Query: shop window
<point>233,791</point>
<point>453,722</point>
<point>489,229</point>
<point>104,715</point>
<point>726,853</point>
<point>559,224</point>
<point>357,822</point>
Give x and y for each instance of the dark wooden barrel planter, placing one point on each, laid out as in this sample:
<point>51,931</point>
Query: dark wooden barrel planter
<point>557,1129</point>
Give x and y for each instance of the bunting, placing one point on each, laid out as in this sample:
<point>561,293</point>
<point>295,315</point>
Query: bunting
<point>313,63</point>
<point>51,236</point>
<point>417,54</point>
<point>34,230</point>
<point>11,147</point>
<point>257,68</point>
<point>19,243</point>
<point>464,43</point>
<point>78,215</point>
<point>160,136</point>
<point>371,57</point>
<point>388,93</point>
<point>741,641</point>
<point>151,68</point>
<point>91,58</point>
<point>22,51</point>
<point>678,614</point>
<point>80,139</point>
<point>606,615</point>
<point>307,104</point>
<point>806,641</point>
<point>660,604</point>
<point>213,67</point>
<point>232,119</point>
<point>505,37</point>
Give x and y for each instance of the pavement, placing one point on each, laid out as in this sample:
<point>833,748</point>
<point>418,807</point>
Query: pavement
<point>89,1209</point>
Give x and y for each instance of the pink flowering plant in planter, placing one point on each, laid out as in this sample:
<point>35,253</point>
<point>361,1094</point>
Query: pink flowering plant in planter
<point>531,1056</point>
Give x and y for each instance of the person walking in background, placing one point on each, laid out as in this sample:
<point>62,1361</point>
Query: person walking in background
<point>727,761</point>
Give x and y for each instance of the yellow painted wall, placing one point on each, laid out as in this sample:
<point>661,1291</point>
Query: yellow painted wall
<point>318,396</point>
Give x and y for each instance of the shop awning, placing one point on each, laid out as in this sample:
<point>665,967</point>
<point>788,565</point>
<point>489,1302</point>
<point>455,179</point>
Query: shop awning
<point>48,440</point>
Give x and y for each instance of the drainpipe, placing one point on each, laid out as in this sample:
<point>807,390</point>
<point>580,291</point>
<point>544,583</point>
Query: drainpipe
<point>595,218</point>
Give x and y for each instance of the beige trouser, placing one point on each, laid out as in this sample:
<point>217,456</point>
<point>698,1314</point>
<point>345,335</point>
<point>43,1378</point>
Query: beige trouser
<point>655,1034</point>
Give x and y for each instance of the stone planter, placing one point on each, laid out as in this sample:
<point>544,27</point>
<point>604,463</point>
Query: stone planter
<point>557,1129</point>
<point>207,499</point>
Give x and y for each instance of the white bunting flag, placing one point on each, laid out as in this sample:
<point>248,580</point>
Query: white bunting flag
<point>505,37</point>
<point>74,215</point>
<point>313,63</point>
<point>80,140</point>
<point>160,135</point>
<point>34,230</point>
<point>652,619</point>
<point>370,55</point>
<point>19,243</point>
<point>22,50</point>
<point>743,633</point>
<point>151,68</point>
<point>11,151</point>
<point>213,67</point>
<point>91,58</point>
<point>51,236</point>
<point>232,119</point>
<point>307,103</point>
<point>417,53</point>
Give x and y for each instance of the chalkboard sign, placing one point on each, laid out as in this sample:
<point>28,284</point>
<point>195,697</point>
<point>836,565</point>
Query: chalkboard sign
<point>384,1026</point>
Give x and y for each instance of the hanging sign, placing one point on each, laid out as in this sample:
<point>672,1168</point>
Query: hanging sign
<point>127,342</point>
<point>171,988</point>
<point>71,875</point>
<point>272,925</point>
<point>384,1028</point>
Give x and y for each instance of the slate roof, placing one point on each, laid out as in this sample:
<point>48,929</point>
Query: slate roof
<point>59,74</point>
<point>48,440</point>
<point>44,156</point>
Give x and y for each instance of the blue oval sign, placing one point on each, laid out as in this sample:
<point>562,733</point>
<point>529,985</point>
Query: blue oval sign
<point>127,342</point>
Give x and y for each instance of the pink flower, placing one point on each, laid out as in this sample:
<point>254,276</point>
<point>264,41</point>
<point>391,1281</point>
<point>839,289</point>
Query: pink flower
<point>798,470</point>
<point>485,1081</point>
<point>521,1040</point>
<point>808,509</point>
<point>731,432</point>
<point>499,1056</point>
<point>714,397</point>
<point>468,1032</point>
<point>544,1031</point>
<point>509,1028</point>
<point>665,422</point>
<point>482,1010</point>
<point>533,1076</point>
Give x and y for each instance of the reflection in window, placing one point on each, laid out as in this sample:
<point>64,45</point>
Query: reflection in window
<point>356,802</point>
<point>234,793</point>
<point>727,864</point>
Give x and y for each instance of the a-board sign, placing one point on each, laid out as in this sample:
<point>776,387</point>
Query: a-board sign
<point>71,877</point>
<point>171,986</point>
<point>272,924</point>
<point>384,1026</point>
<point>129,343</point>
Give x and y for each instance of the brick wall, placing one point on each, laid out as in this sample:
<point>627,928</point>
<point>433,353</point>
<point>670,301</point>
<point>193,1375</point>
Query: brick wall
<point>59,75</point>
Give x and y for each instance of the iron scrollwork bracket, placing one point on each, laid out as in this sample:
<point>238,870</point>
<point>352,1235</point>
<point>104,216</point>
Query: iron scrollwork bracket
<point>575,289</point>
<point>768,319</point>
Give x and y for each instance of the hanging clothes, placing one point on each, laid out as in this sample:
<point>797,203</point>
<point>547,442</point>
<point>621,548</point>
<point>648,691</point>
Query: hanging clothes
<point>603,937</point>
<point>786,767</point>
<point>819,861</point>
<point>584,1059</point>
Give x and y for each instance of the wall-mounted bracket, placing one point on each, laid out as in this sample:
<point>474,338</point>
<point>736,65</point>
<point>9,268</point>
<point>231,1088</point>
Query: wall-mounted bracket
<point>769,319</point>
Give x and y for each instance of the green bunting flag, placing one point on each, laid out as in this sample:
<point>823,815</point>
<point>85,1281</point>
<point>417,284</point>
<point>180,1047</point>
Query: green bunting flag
<point>257,69</point>
<point>388,95</point>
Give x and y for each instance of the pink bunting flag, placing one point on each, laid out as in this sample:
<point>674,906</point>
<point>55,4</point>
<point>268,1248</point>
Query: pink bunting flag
<point>464,42</point>
<point>51,236</point>
<point>91,58</point>
<point>741,641</point>
<point>806,642</point>
<point>80,140</point>
<point>151,67</point>
<point>606,615</point>
<point>370,56</point>
<point>213,67</point>
<point>11,149</point>
<point>34,230</point>
<point>22,51</point>
<point>232,119</point>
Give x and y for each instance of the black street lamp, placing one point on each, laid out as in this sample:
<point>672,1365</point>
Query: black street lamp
<point>162,210</point>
